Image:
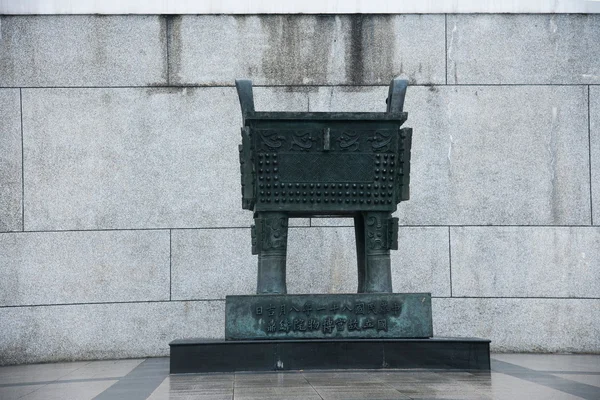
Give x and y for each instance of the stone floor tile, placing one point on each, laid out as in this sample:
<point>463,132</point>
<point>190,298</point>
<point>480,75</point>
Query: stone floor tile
<point>204,389</point>
<point>37,372</point>
<point>350,386</point>
<point>197,382</point>
<point>553,362</point>
<point>452,396</point>
<point>279,380</point>
<point>440,388</point>
<point>70,391</point>
<point>419,377</point>
<point>278,396</point>
<point>356,394</point>
<point>514,378</point>
<point>216,377</point>
<point>17,392</point>
<point>197,387</point>
<point>279,393</point>
<point>505,387</point>
<point>103,369</point>
<point>593,380</point>
<point>332,378</point>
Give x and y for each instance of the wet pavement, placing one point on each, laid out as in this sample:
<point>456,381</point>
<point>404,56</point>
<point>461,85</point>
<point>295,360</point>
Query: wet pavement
<point>513,376</point>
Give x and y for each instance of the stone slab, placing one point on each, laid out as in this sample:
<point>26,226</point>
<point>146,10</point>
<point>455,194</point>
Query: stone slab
<point>211,263</point>
<point>11,179</point>
<point>595,150</point>
<point>198,355</point>
<point>326,221</point>
<point>320,260</point>
<point>302,7</point>
<point>559,363</point>
<point>82,267</point>
<point>525,262</point>
<point>422,261</point>
<point>135,157</point>
<point>306,49</point>
<point>522,325</point>
<point>488,155</point>
<point>523,49</point>
<point>322,316</point>
<point>103,331</point>
<point>83,50</point>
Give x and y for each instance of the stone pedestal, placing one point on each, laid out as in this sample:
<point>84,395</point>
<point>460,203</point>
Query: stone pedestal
<point>328,331</point>
<point>197,355</point>
<point>326,316</point>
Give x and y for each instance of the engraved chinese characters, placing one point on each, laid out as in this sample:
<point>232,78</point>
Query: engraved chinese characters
<point>326,317</point>
<point>383,315</point>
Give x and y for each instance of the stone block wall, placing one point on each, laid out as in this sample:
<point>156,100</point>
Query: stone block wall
<point>120,205</point>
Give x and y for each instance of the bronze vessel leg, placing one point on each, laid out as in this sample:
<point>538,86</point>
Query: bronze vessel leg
<point>270,243</point>
<point>379,237</point>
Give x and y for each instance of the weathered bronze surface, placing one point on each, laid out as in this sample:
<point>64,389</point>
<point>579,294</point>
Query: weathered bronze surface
<point>318,316</point>
<point>302,164</point>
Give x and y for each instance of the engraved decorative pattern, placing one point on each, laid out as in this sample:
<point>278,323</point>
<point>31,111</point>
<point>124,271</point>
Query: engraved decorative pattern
<point>375,233</point>
<point>271,140</point>
<point>302,141</point>
<point>349,141</point>
<point>380,141</point>
<point>255,244</point>
<point>274,233</point>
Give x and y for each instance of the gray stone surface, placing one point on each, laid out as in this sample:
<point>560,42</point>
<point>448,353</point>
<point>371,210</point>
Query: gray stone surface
<point>275,99</point>
<point>509,155</point>
<point>500,49</point>
<point>595,150</point>
<point>358,98</point>
<point>522,325</point>
<point>201,269</point>
<point>421,263</point>
<point>104,331</point>
<point>212,263</point>
<point>307,49</point>
<point>526,262</point>
<point>11,211</point>
<point>82,267</point>
<point>324,221</point>
<point>320,260</point>
<point>81,50</point>
<point>298,221</point>
<point>137,158</point>
<point>559,363</point>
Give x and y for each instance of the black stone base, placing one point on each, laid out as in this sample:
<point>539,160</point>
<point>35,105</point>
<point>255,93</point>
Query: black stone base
<point>199,355</point>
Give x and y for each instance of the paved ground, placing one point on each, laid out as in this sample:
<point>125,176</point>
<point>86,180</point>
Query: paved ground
<point>513,376</point>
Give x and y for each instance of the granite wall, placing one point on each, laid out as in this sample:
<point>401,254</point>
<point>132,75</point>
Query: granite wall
<point>120,204</point>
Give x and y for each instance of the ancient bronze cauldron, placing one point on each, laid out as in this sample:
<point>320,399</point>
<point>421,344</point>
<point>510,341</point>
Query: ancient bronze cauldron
<point>303,164</point>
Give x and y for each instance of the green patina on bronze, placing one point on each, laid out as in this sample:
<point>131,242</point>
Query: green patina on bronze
<point>302,164</point>
<point>318,316</point>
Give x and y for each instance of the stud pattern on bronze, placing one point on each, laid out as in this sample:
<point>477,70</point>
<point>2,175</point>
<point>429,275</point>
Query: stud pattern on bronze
<point>378,194</point>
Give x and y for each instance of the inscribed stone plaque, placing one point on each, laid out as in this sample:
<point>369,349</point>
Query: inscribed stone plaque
<point>322,316</point>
